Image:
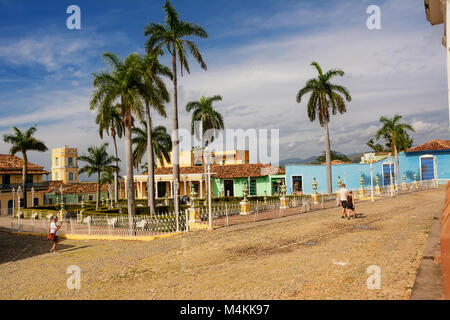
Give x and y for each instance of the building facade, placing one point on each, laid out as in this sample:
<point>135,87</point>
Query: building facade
<point>428,161</point>
<point>226,180</point>
<point>65,165</point>
<point>11,182</point>
<point>74,193</point>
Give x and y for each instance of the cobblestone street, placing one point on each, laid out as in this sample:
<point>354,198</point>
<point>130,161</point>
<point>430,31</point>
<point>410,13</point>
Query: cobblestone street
<point>315,255</point>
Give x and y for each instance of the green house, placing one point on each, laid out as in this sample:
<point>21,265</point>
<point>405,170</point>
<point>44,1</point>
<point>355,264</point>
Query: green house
<point>74,193</point>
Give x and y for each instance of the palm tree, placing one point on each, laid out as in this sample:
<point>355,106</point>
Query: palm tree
<point>154,94</point>
<point>108,119</point>
<point>161,146</point>
<point>172,36</point>
<point>24,142</point>
<point>98,161</point>
<point>204,113</point>
<point>396,136</point>
<point>122,84</point>
<point>109,177</point>
<point>324,95</point>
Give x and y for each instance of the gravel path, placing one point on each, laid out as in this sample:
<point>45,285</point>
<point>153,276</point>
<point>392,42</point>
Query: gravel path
<point>310,256</point>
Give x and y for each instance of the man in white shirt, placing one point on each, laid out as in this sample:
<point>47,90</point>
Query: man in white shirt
<point>342,195</point>
<point>54,228</point>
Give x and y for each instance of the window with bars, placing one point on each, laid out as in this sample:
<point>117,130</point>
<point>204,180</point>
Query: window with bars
<point>252,188</point>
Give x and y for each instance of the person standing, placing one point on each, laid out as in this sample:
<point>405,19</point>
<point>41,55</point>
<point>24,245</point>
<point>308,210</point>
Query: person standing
<point>342,194</point>
<point>54,228</point>
<point>351,203</point>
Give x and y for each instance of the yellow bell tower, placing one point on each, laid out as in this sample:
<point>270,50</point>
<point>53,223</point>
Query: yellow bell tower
<point>65,165</point>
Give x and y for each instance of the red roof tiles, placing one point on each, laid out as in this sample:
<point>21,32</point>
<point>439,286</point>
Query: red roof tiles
<point>13,163</point>
<point>433,145</point>
<point>227,171</point>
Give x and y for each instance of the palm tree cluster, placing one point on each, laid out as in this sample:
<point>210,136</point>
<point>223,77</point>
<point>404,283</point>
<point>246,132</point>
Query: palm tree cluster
<point>135,86</point>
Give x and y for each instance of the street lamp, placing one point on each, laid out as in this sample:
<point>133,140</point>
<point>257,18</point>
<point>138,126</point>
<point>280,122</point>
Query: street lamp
<point>32,196</point>
<point>371,159</point>
<point>13,195</point>
<point>390,176</point>
<point>208,165</point>
<point>19,194</point>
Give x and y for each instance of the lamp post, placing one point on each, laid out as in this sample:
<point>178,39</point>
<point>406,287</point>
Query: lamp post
<point>19,194</point>
<point>13,195</point>
<point>371,159</point>
<point>390,175</point>
<point>208,165</point>
<point>32,196</point>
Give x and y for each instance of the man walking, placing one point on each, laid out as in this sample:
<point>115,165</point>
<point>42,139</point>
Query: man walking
<point>342,195</point>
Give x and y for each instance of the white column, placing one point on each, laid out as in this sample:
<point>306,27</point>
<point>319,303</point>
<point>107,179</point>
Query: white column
<point>200,196</point>
<point>185,190</point>
<point>171,189</point>
<point>126,195</point>
<point>141,191</point>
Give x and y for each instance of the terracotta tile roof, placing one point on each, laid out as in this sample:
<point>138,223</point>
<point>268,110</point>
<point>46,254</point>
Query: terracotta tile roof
<point>336,162</point>
<point>75,188</point>
<point>14,163</point>
<point>227,171</point>
<point>433,145</point>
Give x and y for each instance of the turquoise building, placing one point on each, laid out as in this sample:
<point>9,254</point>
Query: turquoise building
<point>428,161</point>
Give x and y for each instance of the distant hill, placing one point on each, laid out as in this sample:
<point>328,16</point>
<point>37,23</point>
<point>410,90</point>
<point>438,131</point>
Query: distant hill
<point>355,157</point>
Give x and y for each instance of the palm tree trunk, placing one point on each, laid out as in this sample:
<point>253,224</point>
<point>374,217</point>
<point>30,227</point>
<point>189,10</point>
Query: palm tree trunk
<point>98,191</point>
<point>116,178</point>
<point>150,164</point>
<point>328,159</point>
<point>130,178</point>
<point>397,169</point>
<point>24,179</point>
<point>175,138</point>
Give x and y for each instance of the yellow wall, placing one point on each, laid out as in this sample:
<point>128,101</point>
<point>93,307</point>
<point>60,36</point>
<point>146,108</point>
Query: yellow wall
<point>6,196</point>
<point>190,158</point>
<point>60,164</point>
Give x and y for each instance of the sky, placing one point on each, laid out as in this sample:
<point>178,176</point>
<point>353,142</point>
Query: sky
<point>258,54</point>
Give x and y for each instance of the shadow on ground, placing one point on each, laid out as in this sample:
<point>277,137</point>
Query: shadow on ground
<point>17,247</point>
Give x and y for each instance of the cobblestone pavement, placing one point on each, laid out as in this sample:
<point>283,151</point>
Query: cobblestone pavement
<point>314,255</point>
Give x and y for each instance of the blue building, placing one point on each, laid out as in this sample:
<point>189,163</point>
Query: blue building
<point>428,161</point>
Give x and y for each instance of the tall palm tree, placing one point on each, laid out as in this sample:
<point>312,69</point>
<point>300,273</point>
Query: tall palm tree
<point>109,120</point>
<point>325,95</point>
<point>172,37</point>
<point>23,142</point>
<point>98,161</point>
<point>122,85</point>
<point>204,113</point>
<point>155,95</point>
<point>161,145</point>
<point>396,136</point>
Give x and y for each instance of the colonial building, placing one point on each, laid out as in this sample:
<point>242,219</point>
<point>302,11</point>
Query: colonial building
<point>65,164</point>
<point>74,193</point>
<point>226,180</point>
<point>11,182</point>
<point>195,158</point>
<point>429,161</point>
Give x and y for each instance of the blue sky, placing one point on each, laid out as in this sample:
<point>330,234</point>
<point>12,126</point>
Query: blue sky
<point>258,55</point>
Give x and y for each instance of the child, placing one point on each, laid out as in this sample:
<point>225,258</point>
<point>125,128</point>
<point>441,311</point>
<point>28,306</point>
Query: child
<point>351,204</point>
